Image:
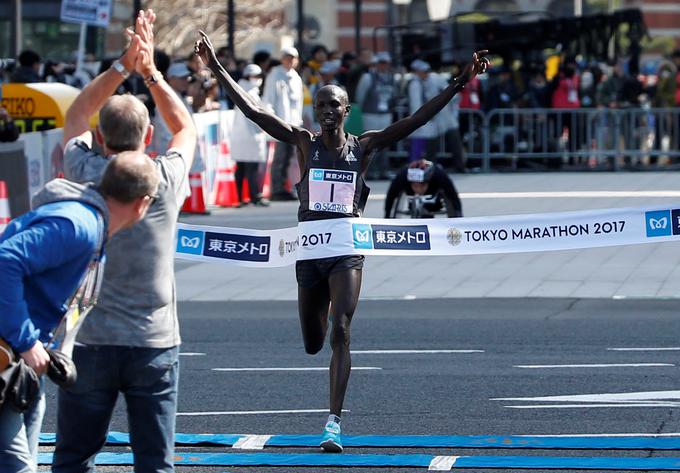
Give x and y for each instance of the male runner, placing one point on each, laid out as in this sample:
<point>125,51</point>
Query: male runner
<point>332,281</point>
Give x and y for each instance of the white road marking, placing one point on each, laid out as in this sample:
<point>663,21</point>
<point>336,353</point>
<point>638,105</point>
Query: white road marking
<point>325,368</point>
<point>645,349</point>
<point>600,365</point>
<point>557,195</point>
<point>406,297</point>
<point>245,413</point>
<point>606,397</point>
<point>667,434</point>
<point>410,352</point>
<point>636,399</point>
<point>251,442</point>
<point>582,406</point>
<point>191,354</point>
<point>442,463</point>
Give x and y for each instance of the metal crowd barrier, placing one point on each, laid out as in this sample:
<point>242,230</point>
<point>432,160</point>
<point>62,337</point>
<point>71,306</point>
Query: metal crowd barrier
<point>584,138</point>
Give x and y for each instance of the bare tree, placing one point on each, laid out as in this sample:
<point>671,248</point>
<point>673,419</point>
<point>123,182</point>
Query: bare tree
<point>178,21</point>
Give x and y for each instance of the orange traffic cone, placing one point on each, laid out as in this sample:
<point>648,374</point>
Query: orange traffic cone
<point>195,203</point>
<point>4,207</point>
<point>267,181</point>
<point>225,193</point>
<point>245,192</point>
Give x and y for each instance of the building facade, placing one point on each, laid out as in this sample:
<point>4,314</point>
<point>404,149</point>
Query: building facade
<point>662,17</point>
<point>43,31</point>
<point>329,22</point>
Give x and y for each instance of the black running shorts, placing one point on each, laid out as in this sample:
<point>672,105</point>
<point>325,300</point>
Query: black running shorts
<point>311,272</point>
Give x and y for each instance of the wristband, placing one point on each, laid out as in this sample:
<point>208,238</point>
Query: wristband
<point>120,68</point>
<point>153,79</point>
<point>458,85</point>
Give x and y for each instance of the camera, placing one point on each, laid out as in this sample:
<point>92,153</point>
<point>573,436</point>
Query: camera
<point>7,64</point>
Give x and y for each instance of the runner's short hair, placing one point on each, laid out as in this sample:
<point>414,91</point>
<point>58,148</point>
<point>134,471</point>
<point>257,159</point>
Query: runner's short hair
<point>123,122</point>
<point>129,176</point>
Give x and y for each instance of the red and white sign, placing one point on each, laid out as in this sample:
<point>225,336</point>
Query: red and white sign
<point>90,12</point>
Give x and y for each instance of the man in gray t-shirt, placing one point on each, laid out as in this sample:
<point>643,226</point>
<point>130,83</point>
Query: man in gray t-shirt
<point>130,341</point>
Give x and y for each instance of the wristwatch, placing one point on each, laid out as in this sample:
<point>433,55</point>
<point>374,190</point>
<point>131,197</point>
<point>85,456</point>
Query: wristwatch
<point>120,68</point>
<point>153,79</point>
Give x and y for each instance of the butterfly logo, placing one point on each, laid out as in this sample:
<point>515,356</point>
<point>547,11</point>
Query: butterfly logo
<point>658,224</point>
<point>190,242</point>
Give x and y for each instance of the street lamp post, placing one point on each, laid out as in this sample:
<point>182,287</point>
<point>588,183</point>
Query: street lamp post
<point>17,40</point>
<point>231,25</point>
<point>438,9</point>
<point>357,26</point>
<point>578,7</point>
<point>300,26</point>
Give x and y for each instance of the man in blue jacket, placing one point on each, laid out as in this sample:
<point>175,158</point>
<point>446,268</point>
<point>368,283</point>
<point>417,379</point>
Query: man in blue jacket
<point>44,255</point>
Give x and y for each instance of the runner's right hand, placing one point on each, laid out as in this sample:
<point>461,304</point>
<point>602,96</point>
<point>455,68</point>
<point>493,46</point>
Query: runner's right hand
<point>205,49</point>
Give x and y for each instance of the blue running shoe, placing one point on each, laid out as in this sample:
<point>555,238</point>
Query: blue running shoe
<point>331,441</point>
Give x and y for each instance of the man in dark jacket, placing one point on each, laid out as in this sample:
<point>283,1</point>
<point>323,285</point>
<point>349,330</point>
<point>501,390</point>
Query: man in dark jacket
<point>44,255</point>
<point>29,68</point>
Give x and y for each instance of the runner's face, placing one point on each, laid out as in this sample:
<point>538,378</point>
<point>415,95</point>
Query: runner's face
<point>330,108</point>
<point>419,188</point>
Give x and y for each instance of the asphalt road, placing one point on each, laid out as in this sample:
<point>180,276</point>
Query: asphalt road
<point>434,394</point>
<point>557,365</point>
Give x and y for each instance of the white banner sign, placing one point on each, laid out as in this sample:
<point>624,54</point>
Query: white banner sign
<point>91,12</point>
<point>460,236</point>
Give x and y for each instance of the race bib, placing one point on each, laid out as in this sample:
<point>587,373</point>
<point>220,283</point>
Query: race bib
<point>415,175</point>
<point>332,190</point>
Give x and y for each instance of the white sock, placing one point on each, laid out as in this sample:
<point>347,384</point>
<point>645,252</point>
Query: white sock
<point>333,418</point>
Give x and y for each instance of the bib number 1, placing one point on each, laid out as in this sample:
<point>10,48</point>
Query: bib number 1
<point>332,190</point>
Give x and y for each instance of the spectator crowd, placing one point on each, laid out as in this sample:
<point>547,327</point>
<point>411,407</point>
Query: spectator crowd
<point>380,93</point>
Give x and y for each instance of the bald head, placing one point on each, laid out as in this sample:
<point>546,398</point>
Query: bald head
<point>129,176</point>
<point>333,91</point>
<point>331,107</point>
<point>123,123</point>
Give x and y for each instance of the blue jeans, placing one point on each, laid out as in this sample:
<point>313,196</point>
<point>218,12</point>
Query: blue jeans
<point>19,436</point>
<point>148,379</point>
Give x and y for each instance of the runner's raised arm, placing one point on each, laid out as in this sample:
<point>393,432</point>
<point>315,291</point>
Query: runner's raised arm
<point>374,140</point>
<point>270,123</point>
